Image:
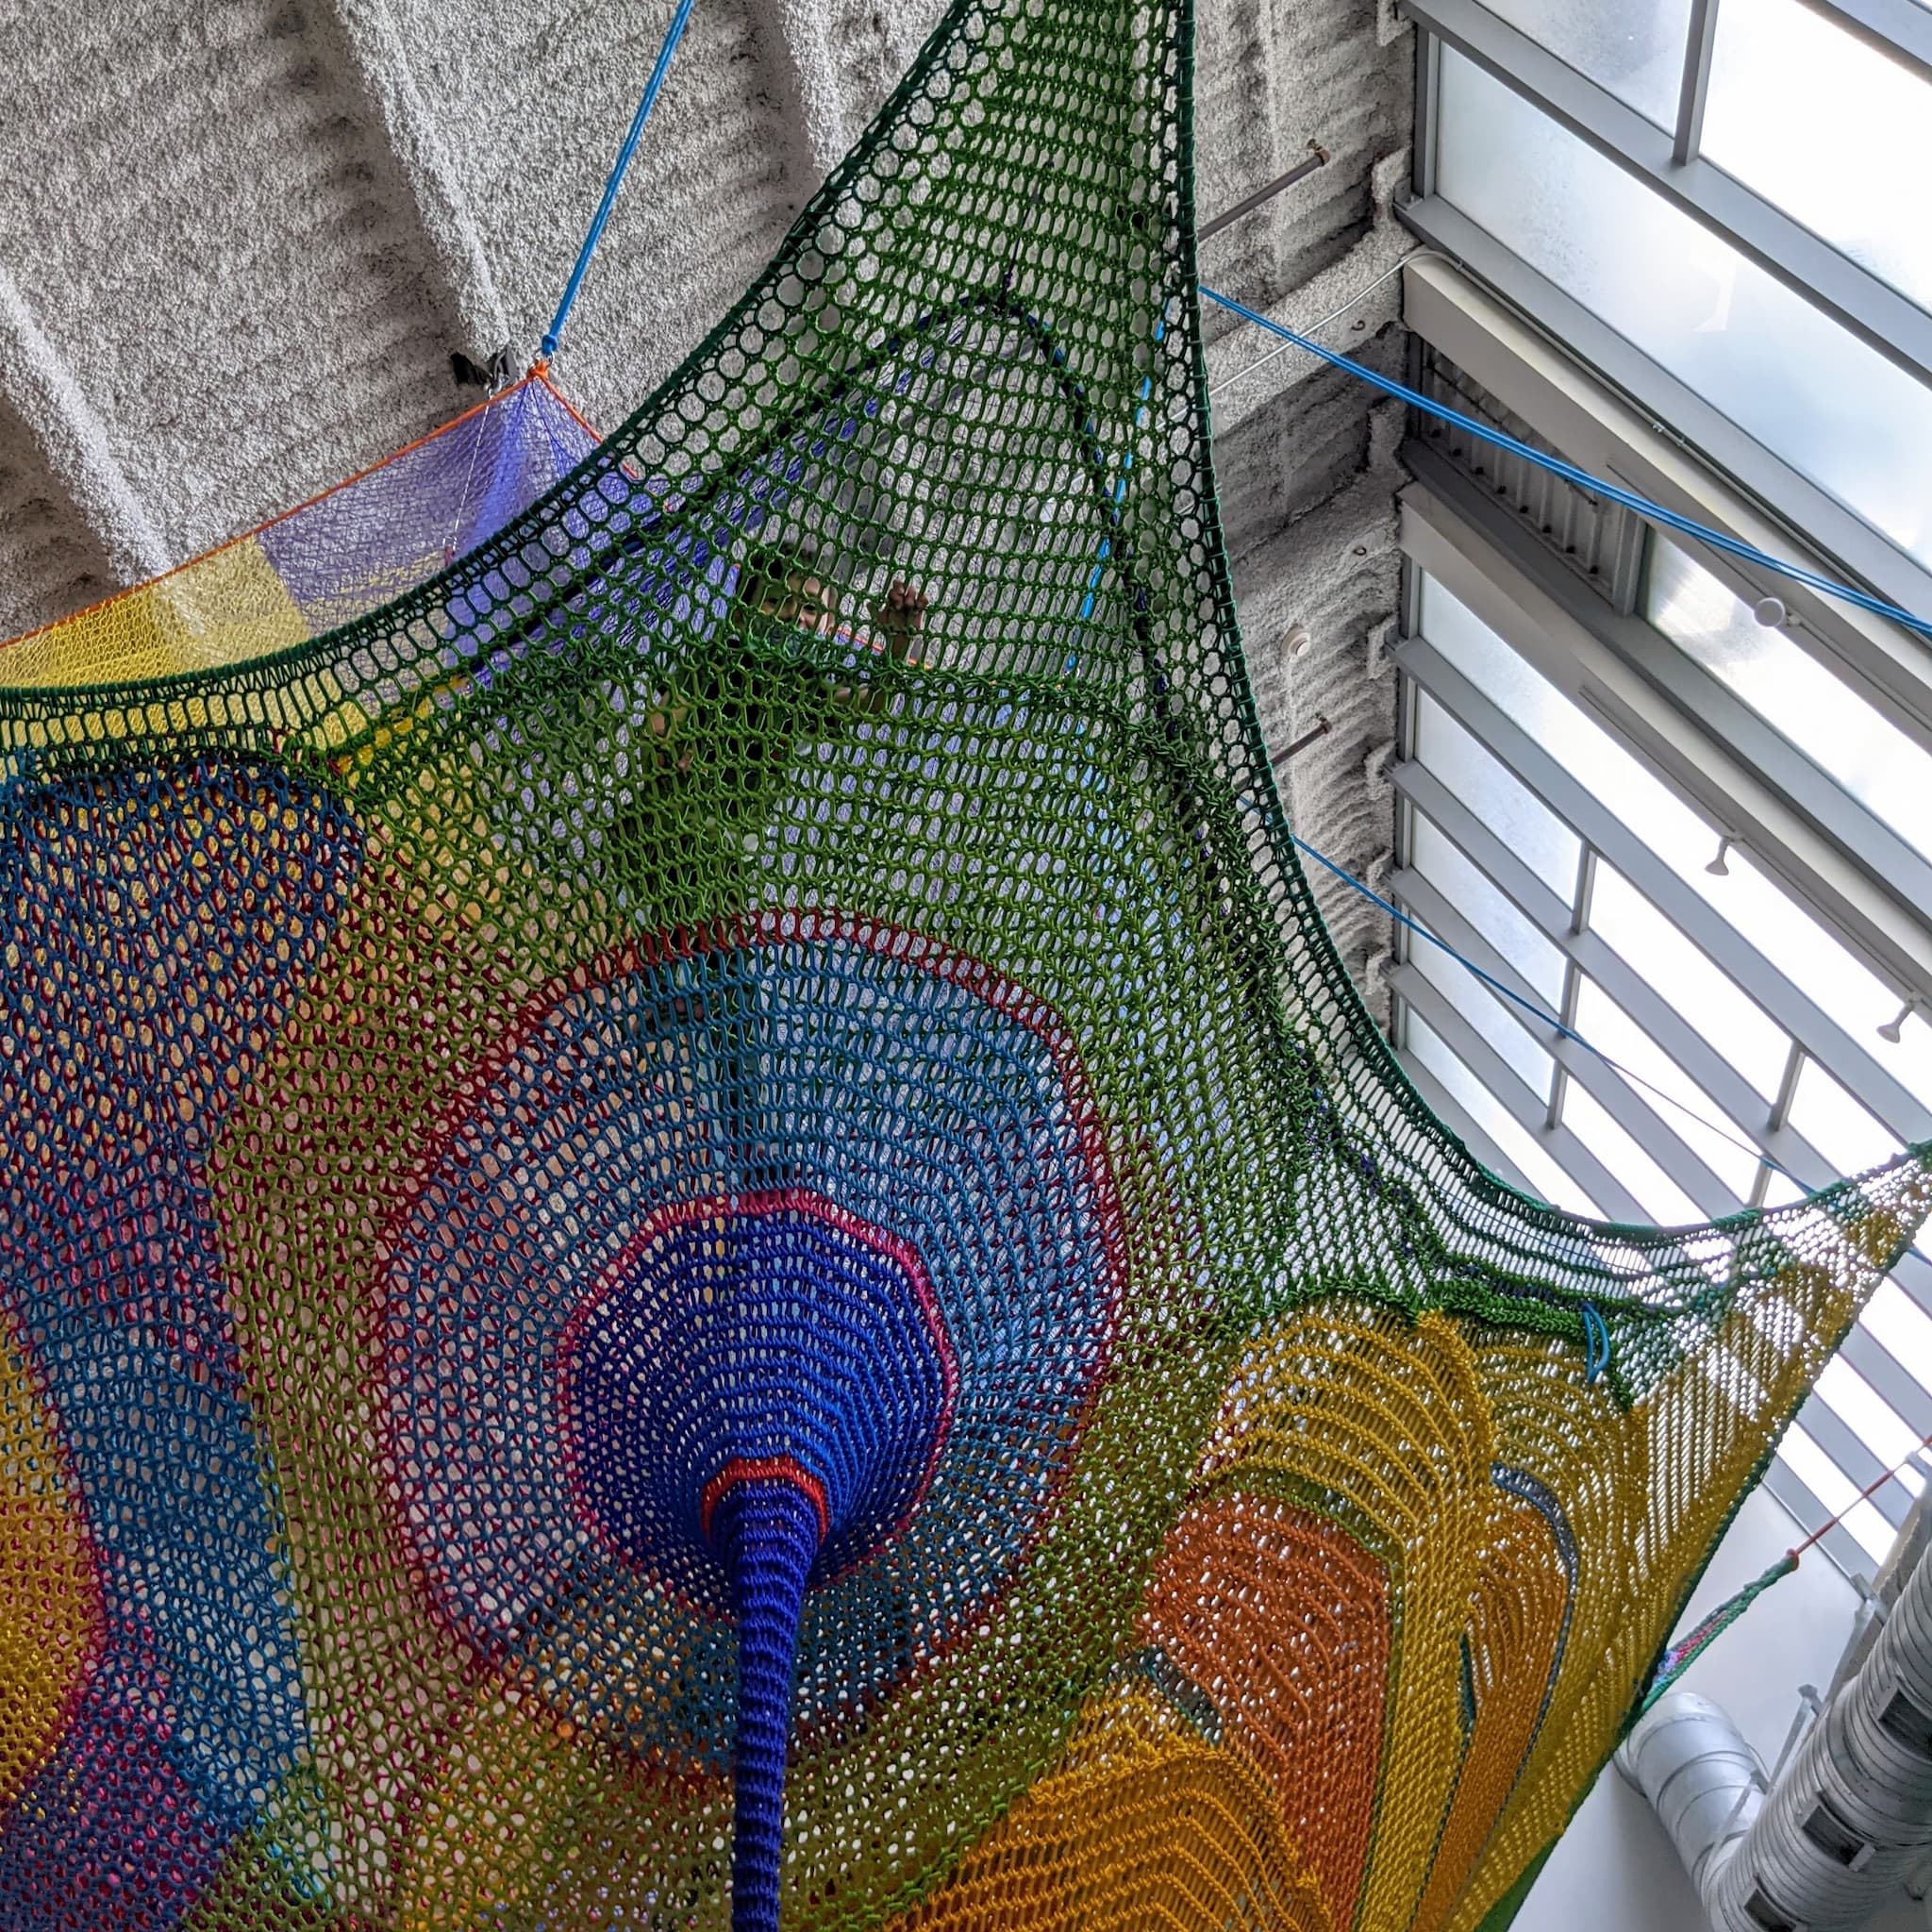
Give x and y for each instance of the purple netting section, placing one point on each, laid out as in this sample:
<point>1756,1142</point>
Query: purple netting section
<point>396,525</point>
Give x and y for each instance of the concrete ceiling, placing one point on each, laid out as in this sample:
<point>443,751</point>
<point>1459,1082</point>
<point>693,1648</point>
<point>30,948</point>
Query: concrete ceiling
<point>238,239</point>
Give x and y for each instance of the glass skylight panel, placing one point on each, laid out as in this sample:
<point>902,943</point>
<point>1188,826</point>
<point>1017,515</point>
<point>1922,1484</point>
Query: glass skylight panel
<point>1891,1438</point>
<point>1820,967</point>
<point>1845,737</point>
<point>1836,1491</point>
<point>1480,1007</point>
<point>1842,1130</point>
<point>1439,861</point>
<point>1807,390</point>
<point>1720,1142</point>
<point>1528,1154</point>
<point>1659,1195</point>
<point>1762,912</point>
<point>1497,798</point>
<point>1833,130</point>
<point>1902,1329</point>
<point>1685,975</point>
<point>1631,48</point>
<point>1579,743</point>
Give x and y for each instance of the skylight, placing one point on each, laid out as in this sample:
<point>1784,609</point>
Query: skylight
<point>1634,48</point>
<point>1824,717</point>
<point>1633,1134</point>
<point>1835,409</point>
<point>1683,806</point>
<point>1831,129</point>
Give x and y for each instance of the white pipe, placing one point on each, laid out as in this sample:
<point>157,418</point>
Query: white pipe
<point>1848,1817</point>
<point>1703,1780</point>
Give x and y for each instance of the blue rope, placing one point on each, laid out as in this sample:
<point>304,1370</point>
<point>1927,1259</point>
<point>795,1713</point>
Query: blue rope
<point>767,1536</point>
<point>672,35</point>
<point>1656,513</point>
<point>1549,1020</point>
<point>1597,1339</point>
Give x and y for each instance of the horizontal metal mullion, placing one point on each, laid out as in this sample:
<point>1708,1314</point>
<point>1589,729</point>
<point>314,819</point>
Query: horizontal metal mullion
<point>1813,521</point>
<point>1782,1483</point>
<point>1451,1113</point>
<point>1899,1109</point>
<point>1677,1159</point>
<point>1527,1110</point>
<point>1913,1274</point>
<point>1886,862</point>
<point>1829,279</point>
<point>1889,1378</point>
<point>1701,1062</point>
<point>1899,28</point>
<point>1823,1423</point>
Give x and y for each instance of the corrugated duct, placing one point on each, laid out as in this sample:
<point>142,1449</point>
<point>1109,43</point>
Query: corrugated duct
<point>1848,1817</point>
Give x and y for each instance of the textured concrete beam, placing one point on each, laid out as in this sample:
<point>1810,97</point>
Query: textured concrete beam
<point>73,442</point>
<point>1362,285</point>
<point>804,71</point>
<point>378,58</point>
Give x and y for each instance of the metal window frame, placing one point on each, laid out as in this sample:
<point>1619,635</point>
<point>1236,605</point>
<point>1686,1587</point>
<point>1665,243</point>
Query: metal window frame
<point>1693,94</point>
<point>1897,27</point>
<point>1590,956</point>
<point>1502,1082</point>
<point>1419,898</point>
<point>1860,1349</point>
<point>1521,604</point>
<point>1621,407</point>
<point>1895,1106</point>
<point>1549,360</point>
<point>1449,1110</point>
<point>1891,1380</point>
<point>1833,853</point>
<point>1546,912</point>
<point>1781,1483</point>
<point>1848,1451</point>
<point>1858,300</point>
<point>1421,792</point>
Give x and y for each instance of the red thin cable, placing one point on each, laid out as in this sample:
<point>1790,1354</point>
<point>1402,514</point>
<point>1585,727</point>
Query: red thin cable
<point>1864,1495</point>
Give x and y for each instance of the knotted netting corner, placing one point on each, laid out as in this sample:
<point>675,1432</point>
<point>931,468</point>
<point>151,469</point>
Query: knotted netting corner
<point>698,1229</point>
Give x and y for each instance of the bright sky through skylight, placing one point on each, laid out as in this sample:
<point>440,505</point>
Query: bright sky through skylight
<point>1837,134</point>
<point>1805,388</point>
<point>1781,681</point>
<point>1539,1118</point>
<point>1634,49</point>
<point>1818,129</point>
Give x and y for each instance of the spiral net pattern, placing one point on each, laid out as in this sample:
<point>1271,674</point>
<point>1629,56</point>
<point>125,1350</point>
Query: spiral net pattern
<point>751,1053</point>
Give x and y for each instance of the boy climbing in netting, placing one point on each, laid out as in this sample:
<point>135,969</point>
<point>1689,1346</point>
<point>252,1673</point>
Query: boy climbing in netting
<point>715,743</point>
<point>649,779</point>
<point>711,761</point>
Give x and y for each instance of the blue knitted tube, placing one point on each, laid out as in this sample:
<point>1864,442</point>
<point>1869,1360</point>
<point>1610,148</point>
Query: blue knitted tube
<point>766,1533</point>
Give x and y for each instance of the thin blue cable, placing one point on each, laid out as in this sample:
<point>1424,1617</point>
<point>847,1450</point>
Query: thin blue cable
<point>1549,1020</point>
<point>672,35</point>
<point>1614,493</point>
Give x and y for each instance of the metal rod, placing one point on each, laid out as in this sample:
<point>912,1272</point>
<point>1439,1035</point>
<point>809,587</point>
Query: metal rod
<point>1318,158</point>
<point>1695,89</point>
<point>1321,729</point>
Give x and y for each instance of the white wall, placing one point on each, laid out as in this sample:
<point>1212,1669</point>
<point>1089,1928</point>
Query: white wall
<point>1614,1870</point>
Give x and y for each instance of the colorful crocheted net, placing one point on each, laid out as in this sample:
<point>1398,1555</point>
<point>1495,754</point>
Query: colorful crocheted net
<point>649,1207</point>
